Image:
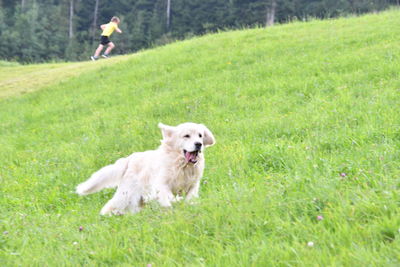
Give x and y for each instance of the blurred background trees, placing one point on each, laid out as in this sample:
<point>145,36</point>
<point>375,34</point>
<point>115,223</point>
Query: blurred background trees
<point>46,30</point>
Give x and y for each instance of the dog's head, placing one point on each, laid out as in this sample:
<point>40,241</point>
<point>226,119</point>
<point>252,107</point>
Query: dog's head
<point>187,138</point>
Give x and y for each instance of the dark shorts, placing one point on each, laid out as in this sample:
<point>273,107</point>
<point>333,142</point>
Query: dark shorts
<point>104,40</point>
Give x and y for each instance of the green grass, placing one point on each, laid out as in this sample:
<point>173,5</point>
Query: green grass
<point>19,79</point>
<point>292,107</point>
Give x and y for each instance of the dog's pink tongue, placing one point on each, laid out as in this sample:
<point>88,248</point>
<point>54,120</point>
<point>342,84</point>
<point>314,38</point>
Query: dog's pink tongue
<point>189,156</point>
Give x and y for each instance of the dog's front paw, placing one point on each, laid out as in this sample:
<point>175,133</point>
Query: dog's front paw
<point>111,211</point>
<point>177,199</point>
<point>82,189</point>
<point>165,198</point>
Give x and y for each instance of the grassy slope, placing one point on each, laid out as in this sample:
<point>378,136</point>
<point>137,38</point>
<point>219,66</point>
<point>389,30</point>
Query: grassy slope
<point>291,107</point>
<point>21,79</point>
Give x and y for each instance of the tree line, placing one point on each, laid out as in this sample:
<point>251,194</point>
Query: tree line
<point>48,30</point>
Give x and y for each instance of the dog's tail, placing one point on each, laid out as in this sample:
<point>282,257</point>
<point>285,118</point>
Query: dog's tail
<point>106,177</point>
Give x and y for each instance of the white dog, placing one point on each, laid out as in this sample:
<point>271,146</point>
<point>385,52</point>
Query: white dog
<point>165,174</point>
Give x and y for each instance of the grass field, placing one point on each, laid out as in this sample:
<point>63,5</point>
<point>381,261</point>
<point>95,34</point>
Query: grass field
<point>307,122</point>
<point>18,79</point>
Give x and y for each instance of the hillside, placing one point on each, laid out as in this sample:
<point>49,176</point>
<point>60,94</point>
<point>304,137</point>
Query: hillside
<point>19,79</point>
<point>306,117</point>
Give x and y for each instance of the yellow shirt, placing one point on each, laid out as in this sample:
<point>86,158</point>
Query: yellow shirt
<point>109,29</point>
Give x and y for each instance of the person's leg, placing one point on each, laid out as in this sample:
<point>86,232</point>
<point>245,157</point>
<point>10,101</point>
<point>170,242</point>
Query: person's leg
<point>98,50</point>
<point>109,48</point>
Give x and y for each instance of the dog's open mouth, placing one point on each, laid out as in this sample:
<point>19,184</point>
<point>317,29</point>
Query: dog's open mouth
<point>191,156</point>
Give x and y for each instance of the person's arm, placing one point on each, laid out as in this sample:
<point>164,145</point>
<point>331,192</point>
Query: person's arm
<point>118,30</point>
<point>103,26</point>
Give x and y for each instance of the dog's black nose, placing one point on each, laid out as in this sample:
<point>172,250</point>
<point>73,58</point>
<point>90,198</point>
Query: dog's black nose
<point>198,145</point>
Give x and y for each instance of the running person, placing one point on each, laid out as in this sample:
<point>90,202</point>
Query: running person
<point>108,29</point>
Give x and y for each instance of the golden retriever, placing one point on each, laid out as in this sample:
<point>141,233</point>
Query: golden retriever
<point>166,174</point>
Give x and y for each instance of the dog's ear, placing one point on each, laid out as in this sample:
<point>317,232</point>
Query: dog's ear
<point>166,130</point>
<point>209,139</point>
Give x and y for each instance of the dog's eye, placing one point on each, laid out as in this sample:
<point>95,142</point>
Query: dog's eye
<point>187,136</point>
<point>200,135</point>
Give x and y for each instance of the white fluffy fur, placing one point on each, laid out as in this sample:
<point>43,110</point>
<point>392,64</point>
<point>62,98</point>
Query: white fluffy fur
<point>164,174</point>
